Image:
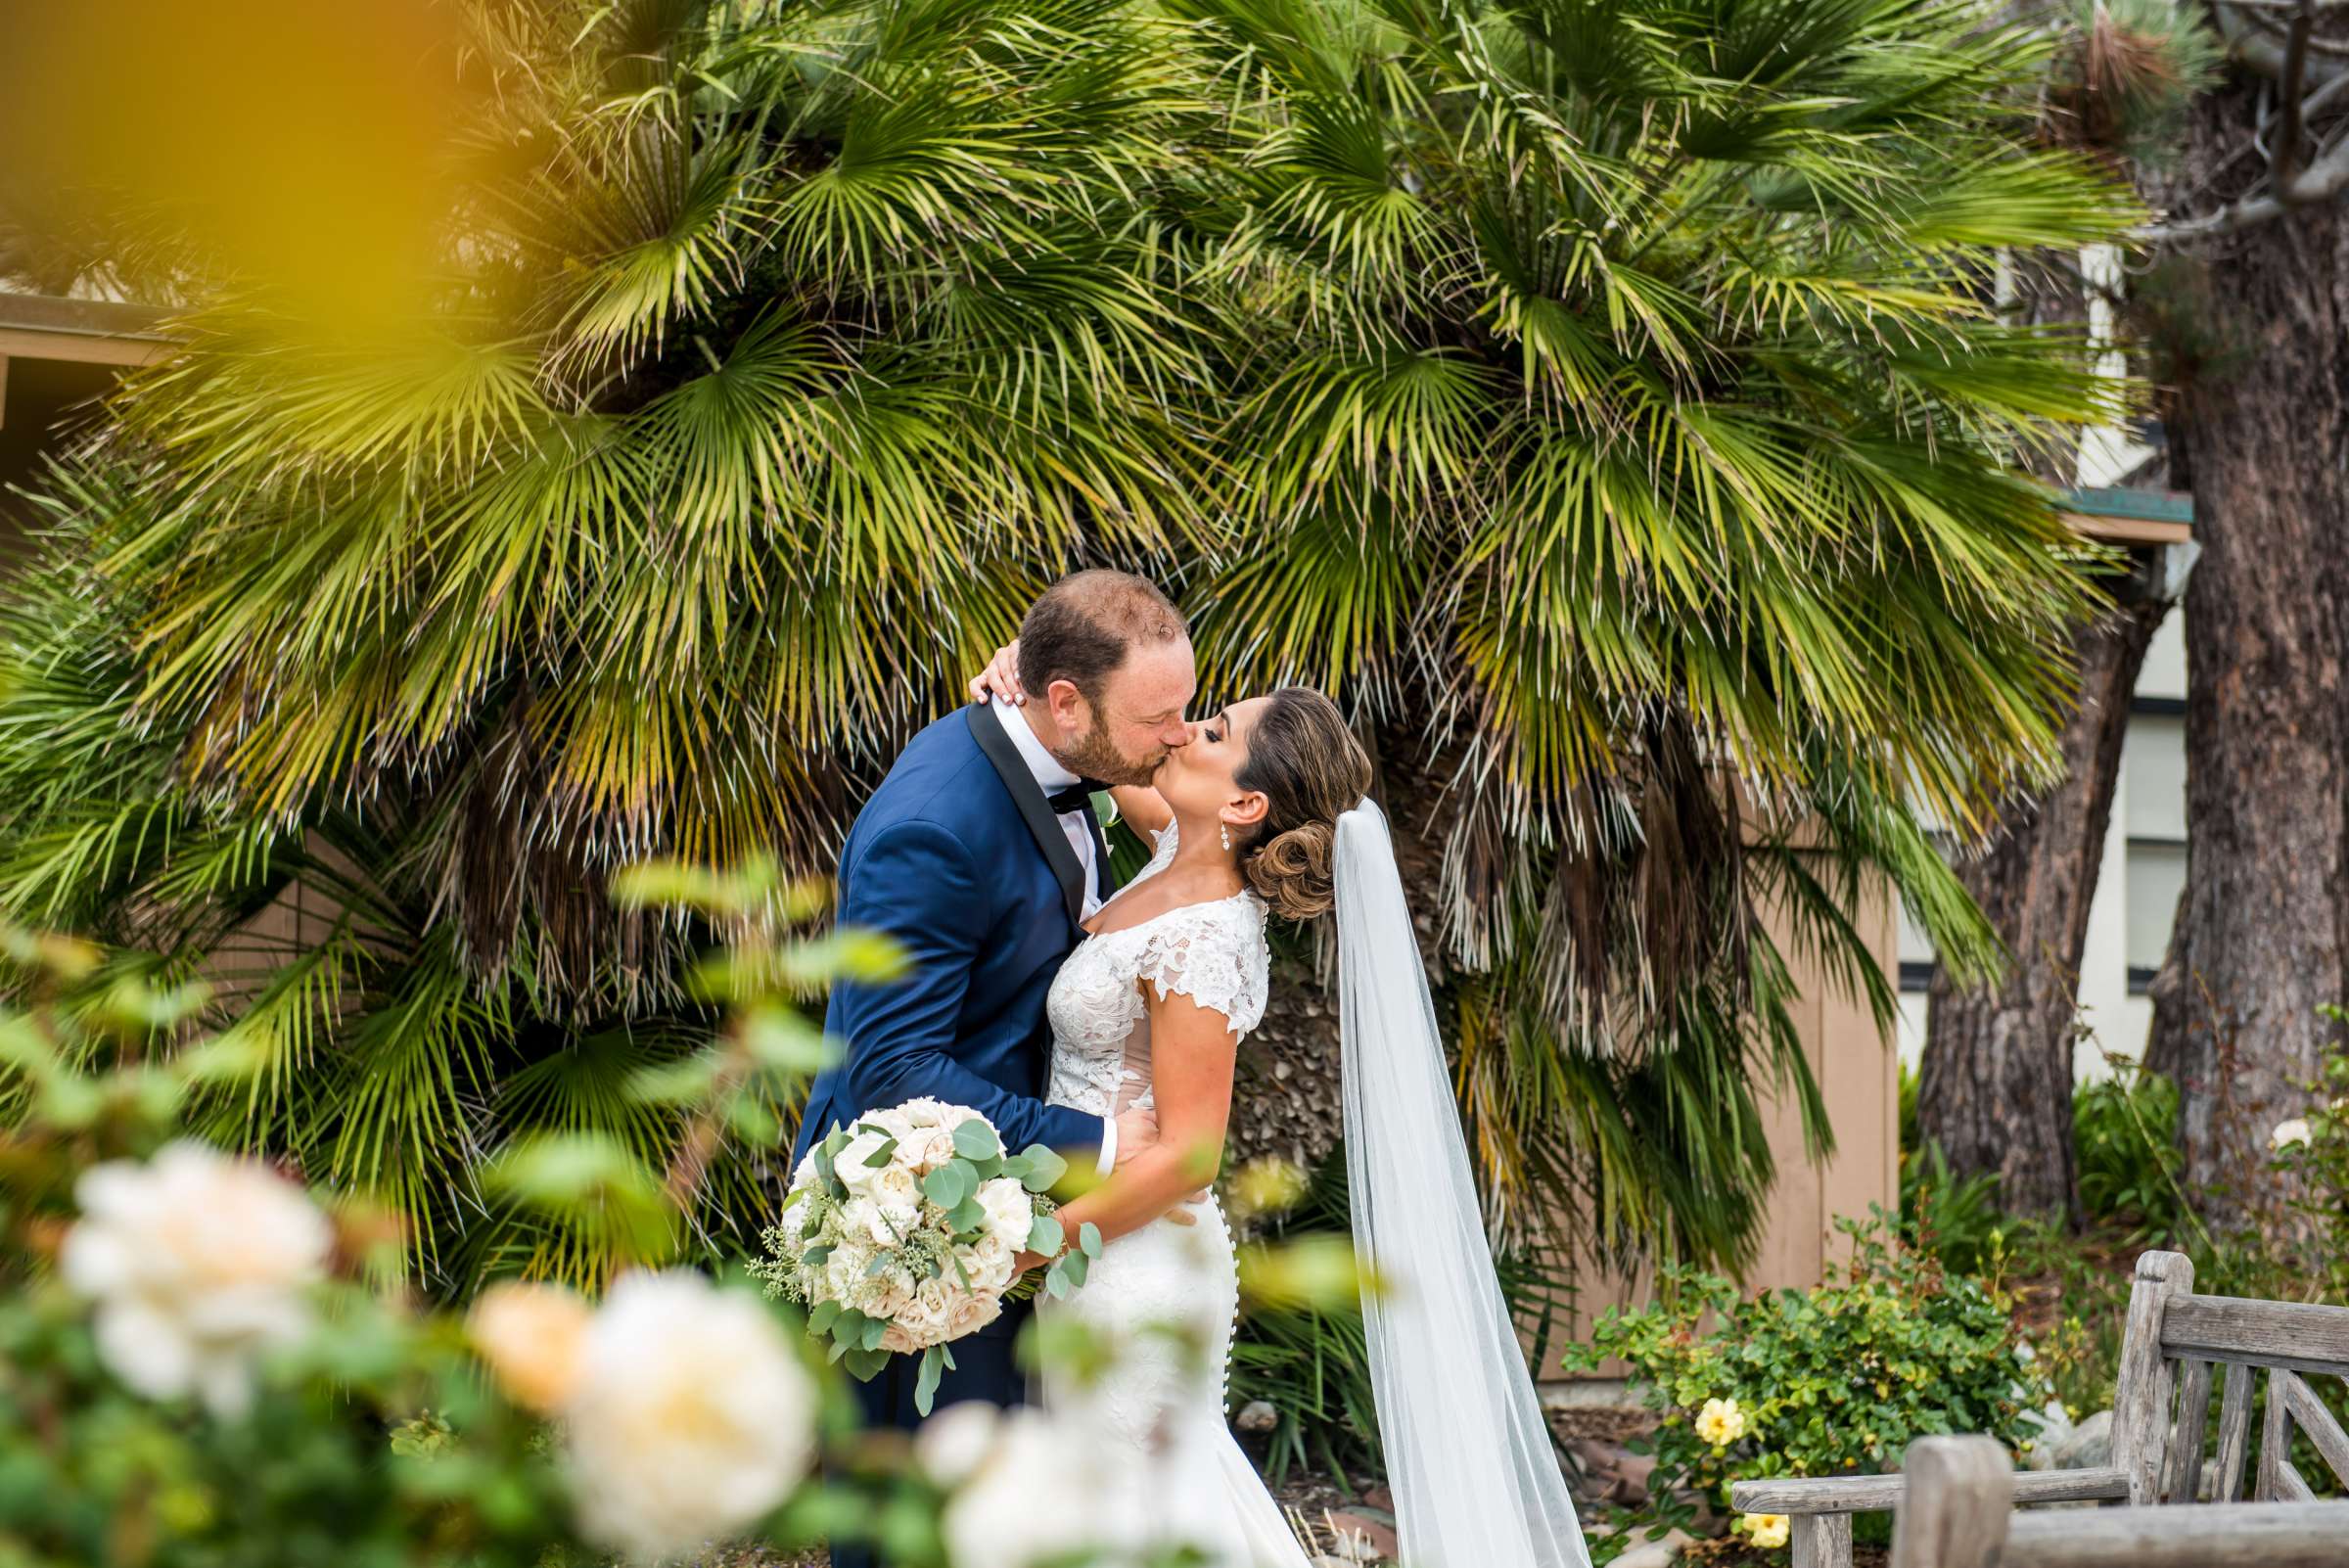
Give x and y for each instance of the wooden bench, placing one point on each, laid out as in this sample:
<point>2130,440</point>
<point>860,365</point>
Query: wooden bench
<point>1960,1513</point>
<point>2172,1343</point>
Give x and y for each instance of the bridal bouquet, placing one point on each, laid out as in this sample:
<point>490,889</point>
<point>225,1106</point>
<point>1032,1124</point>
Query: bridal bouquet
<point>900,1231</point>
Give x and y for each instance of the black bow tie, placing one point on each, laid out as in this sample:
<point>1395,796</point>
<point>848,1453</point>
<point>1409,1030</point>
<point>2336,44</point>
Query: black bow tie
<point>1077,797</point>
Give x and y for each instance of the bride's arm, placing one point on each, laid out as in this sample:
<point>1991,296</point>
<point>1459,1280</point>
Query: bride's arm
<point>1143,808</point>
<point>1192,1051</point>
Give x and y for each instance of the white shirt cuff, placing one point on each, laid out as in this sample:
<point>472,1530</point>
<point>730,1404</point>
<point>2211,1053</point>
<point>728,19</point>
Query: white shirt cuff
<point>1109,1146</point>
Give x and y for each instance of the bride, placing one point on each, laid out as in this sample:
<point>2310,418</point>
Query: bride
<point>1265,812</point>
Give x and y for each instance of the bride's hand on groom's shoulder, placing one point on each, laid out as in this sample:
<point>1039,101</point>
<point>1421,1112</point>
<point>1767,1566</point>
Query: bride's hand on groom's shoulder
<point>1001,677</point>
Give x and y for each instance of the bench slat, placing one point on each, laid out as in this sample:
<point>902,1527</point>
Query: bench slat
<point>2234,1431</point>
<point>2309,1413</point>
<point>2185,1443</point>
<point>2274,1435</point>
<point>1876,1493</point>
<point>2301,1335</point>
<point>2218,1535</point>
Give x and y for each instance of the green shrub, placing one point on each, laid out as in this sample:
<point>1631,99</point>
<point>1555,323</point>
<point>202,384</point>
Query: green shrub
<point>1832,1381</point>
<point>2124,1131</point>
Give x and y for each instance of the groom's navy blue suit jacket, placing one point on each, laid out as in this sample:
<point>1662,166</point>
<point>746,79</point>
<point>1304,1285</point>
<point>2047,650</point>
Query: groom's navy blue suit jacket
<point>958,858</point>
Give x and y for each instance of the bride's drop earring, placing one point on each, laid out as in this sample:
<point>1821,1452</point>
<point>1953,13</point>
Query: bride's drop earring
<point>1224,828</point>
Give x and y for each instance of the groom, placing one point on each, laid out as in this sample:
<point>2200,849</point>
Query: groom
<point>980,855</point>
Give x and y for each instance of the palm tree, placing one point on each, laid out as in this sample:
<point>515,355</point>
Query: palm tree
<point>1642,422</point>
<point>1606,400</point>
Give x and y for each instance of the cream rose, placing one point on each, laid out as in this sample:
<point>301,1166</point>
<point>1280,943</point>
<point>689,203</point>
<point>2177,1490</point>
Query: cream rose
<point>690,1419</point>
<point>898,1192</point>
<point>934,1148</point>
<point>967,1314</point>
<point>199,1263</point>
<point>530,1337</point>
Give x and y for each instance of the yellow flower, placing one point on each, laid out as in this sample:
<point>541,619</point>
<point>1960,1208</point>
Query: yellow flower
<point>1769,1530</point>
<point>1721,1422</point>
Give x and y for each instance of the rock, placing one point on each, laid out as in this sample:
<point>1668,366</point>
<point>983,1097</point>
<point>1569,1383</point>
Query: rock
<point>1656,1553</point>
<point>1379,1497</point>
<point>1357,1524</point>
<point>2054,1425</point>
<point>2087,1446</point>
<point>1256,1415</point>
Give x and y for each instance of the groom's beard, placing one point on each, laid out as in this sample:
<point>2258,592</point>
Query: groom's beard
<point>1092,756</point>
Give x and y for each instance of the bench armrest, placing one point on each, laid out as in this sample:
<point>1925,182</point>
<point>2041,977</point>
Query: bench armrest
<point>1879,1493</point>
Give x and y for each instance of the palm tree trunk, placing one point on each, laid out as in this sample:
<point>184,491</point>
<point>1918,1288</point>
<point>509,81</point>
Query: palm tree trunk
<point>2262,939</point>
<point>1996,1089</point>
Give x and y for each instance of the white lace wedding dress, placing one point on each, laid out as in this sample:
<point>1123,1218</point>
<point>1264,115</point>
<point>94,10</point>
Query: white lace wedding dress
<point>1161,1403</point>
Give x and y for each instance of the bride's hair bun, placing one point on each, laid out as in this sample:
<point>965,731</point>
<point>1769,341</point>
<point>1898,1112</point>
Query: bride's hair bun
<point>1293,872</point>
<point>1304,758</point>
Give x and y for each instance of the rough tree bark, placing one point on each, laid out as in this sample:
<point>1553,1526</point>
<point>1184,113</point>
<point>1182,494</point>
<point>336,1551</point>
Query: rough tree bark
<point>2262,417</point>
<point>1996,1086</point>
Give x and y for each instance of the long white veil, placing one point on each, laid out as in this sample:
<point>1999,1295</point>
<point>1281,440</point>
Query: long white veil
<point>1476,1481</point>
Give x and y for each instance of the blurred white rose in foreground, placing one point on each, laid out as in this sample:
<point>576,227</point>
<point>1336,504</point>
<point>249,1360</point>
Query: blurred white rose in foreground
<point>1013,1474</point>
<point>689,1417</point>
<point>2289,1132</point>
<point>197,1263</point>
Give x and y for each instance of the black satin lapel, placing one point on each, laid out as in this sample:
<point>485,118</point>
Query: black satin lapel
<point>1101,869</point>
<point>1034,810</point>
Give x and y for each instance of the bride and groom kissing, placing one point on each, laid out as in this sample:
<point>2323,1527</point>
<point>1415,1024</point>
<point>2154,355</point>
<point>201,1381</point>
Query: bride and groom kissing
<point>1105,1023</point>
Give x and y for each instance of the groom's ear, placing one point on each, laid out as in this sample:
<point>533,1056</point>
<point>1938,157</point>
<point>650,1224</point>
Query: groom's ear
<point>1068,707</point>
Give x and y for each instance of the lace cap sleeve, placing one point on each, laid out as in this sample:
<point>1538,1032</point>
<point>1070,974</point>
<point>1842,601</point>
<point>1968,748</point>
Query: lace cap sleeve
<point>1215,954</point>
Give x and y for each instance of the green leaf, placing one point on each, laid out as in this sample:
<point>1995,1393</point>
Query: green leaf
<point>925,1383</point>
<point>1045,1168</point>
<point>975,1141</point>
<point>881,1156</point>
<point>1089,1238</point>
<point>1045,1234</point>
<point>820,1317</point>
<point>949,1185</point>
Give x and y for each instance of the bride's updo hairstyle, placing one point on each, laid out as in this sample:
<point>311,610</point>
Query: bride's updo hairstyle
<point>1310,770</point>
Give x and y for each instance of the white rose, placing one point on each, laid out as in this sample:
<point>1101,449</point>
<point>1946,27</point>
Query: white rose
<point>849,1162</point>
<point>893,1121</point>
<point>844,1271</point>
<point>957,1441</point>
<point>862,1219</point>
<point>2295,1131</point>
<point>691,1418</point>
<point>1010,1211</point>
<point>199,1263</point>
<point>925,1113</point>
<point>1000,1467</point>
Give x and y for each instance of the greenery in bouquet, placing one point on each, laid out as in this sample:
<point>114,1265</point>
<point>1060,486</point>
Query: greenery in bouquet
<point>902,1231</point>
<point>1837,1380</point>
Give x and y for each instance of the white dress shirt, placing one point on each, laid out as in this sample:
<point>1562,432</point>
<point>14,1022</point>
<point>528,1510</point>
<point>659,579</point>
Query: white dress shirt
<point>1053,777</point>
<point>1048,773</point>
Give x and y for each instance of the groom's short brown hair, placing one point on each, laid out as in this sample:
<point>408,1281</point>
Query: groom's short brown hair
<point>1083,626</point>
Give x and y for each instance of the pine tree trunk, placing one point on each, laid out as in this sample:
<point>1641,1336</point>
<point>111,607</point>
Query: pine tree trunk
<point>2260,939</point>
<point>1996,1089</point>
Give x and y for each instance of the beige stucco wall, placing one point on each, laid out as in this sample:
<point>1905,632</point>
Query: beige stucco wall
<point>1858,1072</point>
